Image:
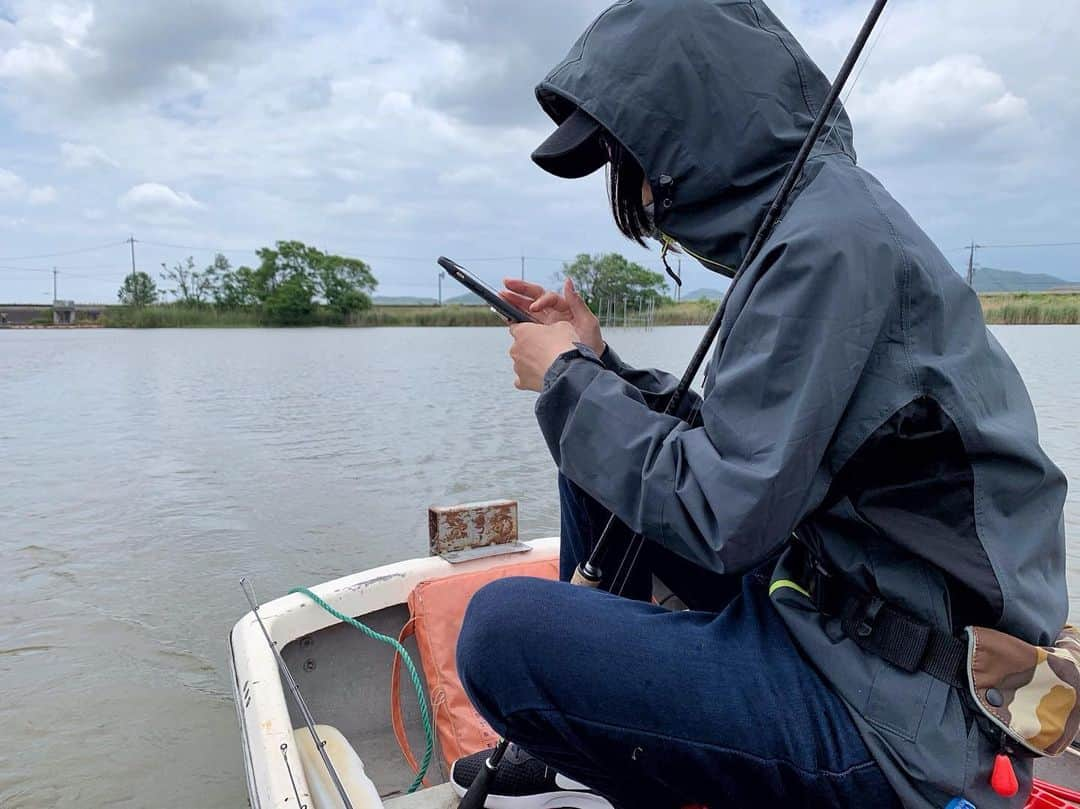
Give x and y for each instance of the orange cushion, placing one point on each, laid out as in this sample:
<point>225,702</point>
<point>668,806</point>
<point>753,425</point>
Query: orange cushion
<point>438,609</point>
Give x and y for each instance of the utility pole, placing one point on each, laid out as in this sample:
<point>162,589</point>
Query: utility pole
<point>441,275</point>
<point>523,268</point>
<point>131,241</point>
<point>971,264</point>
<point>54,285</point>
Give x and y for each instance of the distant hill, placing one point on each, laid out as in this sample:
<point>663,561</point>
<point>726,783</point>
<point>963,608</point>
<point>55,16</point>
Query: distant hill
<point>698,294</point>
<point>989,279</point>
<point>468,299</point>
<point>402,300</point>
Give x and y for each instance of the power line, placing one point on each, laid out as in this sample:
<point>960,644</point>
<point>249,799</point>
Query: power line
<point>1010,245</point>
<point>192,247</point>
<point>1033,244</point>
<point>60,270</point>
<point>63,253</point>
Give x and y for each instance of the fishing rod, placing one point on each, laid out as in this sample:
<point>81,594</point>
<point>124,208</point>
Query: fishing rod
<point>294,689</point>
<point>590,572</point>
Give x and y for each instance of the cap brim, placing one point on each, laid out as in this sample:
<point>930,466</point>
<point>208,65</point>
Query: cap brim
<point>574,149</point>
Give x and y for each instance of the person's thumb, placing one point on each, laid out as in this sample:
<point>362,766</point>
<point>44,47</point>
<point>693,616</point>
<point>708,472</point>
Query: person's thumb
<point>574,300</point>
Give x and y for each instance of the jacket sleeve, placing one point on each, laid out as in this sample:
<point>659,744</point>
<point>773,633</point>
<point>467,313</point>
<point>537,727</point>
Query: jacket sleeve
<point>655,386</point>
<point>727,493</point>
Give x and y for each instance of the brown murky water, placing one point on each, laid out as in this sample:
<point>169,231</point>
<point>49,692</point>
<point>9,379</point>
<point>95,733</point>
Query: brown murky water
<point>144,472</point>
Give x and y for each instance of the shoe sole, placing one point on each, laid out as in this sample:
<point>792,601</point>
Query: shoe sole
<point>549,800</point>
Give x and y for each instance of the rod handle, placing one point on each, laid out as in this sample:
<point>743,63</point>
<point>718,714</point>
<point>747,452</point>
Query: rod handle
<point>583,579</point>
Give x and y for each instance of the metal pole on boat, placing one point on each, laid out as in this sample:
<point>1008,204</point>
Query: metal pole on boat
<point>294,689</point>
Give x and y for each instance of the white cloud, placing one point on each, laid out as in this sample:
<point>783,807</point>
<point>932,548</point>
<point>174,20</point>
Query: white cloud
<point>73,24</point>
<point>353,204</point>
<point>84,155</point>
<point>33,62</point>
<point>44,195</point>
<point>155,203</point>
<point>71,55</point>
<point>957,100</point>
<point>15,190</point>
<point>469,175</point>
<point>12,186</point>
<point>405,128</point>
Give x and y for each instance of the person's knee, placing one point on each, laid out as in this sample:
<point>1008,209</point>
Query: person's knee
<point>490,657</point>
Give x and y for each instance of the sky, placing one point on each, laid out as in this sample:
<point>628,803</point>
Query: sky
<point>398,130</point>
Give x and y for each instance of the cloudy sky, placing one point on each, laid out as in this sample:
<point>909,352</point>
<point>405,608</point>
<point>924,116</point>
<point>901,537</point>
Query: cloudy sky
<point>397,130</point>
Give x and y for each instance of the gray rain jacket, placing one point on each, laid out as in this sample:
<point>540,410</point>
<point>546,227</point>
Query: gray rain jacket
<point>850,331</point>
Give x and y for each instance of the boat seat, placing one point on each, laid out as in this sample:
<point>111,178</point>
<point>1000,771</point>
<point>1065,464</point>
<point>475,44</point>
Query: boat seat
<point>350,769</point>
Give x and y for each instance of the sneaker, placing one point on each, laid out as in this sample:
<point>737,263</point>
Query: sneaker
<point>524,782</point>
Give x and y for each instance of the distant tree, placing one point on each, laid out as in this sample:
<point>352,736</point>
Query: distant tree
<point>190,286</point>
<point>212,276</point>
<point>237,289</point>
<point>138,289</point>
<point>612,276</point>
<point>291,303</point>
<point>345,284</point>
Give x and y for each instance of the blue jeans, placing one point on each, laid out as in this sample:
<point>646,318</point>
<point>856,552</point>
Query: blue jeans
<point>654,708</point>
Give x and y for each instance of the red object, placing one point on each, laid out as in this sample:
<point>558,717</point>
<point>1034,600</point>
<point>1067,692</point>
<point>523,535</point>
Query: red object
<point>1045,795</point>
<point>1043,799</point>
<point>1003,778</point>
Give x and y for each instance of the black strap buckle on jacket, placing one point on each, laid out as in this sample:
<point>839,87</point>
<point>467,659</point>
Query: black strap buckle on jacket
<point>882,629</point>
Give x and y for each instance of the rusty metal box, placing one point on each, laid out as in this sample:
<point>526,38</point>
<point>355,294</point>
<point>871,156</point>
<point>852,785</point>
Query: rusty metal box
<point>470,530</point>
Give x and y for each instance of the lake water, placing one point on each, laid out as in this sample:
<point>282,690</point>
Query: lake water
<point>144,472</point>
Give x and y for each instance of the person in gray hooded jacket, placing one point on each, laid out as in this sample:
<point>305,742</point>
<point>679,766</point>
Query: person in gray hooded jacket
<point>859,481</point>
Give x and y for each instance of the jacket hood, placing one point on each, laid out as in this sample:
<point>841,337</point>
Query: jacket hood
<point>713,98</point>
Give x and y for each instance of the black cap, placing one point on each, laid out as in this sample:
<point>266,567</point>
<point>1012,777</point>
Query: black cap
<point>574,149</point>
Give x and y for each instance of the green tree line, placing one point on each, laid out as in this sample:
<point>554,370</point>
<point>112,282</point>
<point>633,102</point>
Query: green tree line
<point>613,277</point>
<point>293,285</point>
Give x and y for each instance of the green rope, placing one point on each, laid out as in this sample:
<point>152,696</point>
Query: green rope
<point>425,716</point>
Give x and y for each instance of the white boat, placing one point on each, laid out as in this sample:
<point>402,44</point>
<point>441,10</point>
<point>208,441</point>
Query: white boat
<point>344,677</point>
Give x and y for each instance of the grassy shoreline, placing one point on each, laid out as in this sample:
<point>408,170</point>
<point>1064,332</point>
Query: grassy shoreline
<point>1031,308</point>
<point>1007,308</point>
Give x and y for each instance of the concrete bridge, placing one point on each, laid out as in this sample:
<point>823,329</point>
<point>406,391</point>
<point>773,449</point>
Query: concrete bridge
<point>60,313</point>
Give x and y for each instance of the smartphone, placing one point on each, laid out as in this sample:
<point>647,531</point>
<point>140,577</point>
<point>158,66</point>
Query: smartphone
<point>489,295</point>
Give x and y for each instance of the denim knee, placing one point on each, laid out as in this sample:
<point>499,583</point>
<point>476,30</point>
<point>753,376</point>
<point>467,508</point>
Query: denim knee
<point>490,656</point>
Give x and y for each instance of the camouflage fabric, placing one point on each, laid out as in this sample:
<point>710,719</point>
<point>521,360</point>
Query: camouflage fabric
<point>1030,692</point>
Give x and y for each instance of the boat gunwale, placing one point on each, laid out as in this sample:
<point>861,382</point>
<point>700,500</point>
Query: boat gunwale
<point>258,691</point>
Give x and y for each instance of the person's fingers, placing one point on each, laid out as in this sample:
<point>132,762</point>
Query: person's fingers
<point>514,299</point>
<point>549,300</point>
<point>577,304</point>
<point>522,287</point>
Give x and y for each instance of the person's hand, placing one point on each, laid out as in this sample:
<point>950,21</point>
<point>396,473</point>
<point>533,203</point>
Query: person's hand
<point>535,348</point>
<point>551,307</point>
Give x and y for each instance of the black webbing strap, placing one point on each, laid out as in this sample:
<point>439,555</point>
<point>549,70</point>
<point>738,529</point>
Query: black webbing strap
<point>881,629</point>
<point>906,642</point>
